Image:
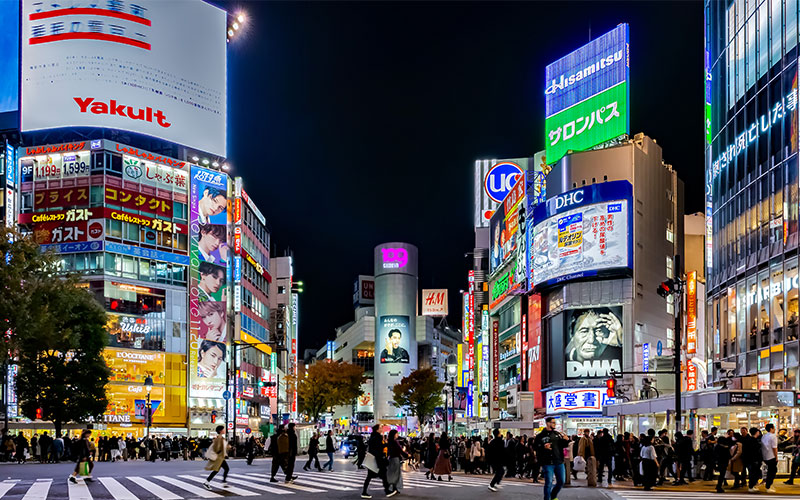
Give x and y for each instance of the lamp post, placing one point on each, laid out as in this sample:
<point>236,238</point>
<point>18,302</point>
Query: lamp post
<point>452,366</point>
<point>148,386</point>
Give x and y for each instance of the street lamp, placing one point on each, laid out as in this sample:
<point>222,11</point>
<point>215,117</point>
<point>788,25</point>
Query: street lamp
<point>452,366</point>
<point>148,386</point>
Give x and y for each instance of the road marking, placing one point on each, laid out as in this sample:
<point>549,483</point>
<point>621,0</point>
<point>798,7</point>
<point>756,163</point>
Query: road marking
<point>39,490</point>
<point>258,477</point>
<point>259,487</point>
<point>324,484</point>
<point>78,491</point>
<point>118,491</point>
<point>232,489</point>
<point>194,490</point>
<point>159,491</point>
<point>7,485</point>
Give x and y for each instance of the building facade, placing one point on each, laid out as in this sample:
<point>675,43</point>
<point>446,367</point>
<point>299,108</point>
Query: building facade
<point>752,207</point>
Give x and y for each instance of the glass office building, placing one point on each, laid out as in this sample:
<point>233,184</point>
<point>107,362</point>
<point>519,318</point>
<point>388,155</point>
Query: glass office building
<point>751,132</point>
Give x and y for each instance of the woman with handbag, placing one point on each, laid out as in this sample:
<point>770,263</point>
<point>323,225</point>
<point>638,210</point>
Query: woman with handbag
<point>216,459</point>
<point>83,451</point>
<point>476,456</point>
<point>442,465</point>
<point>394,475</point>
<point>375,462</point>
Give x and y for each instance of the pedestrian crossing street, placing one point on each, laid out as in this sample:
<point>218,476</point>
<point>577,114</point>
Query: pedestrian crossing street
<point>184,486</point>
<point>699,495</point>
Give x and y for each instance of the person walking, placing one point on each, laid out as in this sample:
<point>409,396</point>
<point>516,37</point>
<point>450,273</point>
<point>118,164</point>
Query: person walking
<point>476,456</point>
<point>442,464</point>
<point>793,448</point>
<point>586,450</point>
<point>21,444</point>
<point>217,459</point>
<point>293,452</point>
<point>83,453</point>
<point>769,451</point>
<point>329,450</point>
<point>495,455</point>
<point>549,445</point>
<point>375,448</point>
<point>649,463</point>
<point>431,453</point>
<point>736,464</point>
<point>279,447</point>
<point>604,447</point>
<point>722,456</point>
<point>394,474</point>
<point>684,450</point>
<point>313,453</point>
<point>752,458</point>
<point>361,451</point>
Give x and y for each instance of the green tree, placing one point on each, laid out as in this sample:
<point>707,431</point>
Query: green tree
<point>328,384</point>
<point>23,267</point>
<point>420,392</point>
<point>59,353</point>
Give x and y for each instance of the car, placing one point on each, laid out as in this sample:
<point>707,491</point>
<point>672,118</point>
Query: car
<point>349,446</point>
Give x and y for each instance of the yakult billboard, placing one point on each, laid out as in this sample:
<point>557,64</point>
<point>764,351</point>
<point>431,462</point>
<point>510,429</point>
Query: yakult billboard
<point>152,67</point>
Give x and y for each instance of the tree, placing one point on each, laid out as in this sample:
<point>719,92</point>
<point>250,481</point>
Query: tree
<point>328,384</point>
<point>59,351</point>
<point>420,392</point>
<point>23,267</point>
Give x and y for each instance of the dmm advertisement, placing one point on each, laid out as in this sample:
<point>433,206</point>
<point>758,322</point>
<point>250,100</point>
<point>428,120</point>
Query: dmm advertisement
<point>586,95</point>
<point>393,339</point>
<point>594,341</point>
<point>581,232</point>
<point>208,291</point>
<point>152,67</point>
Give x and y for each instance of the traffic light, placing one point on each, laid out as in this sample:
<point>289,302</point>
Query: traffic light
<point>213,419</point>
<point>38,413</point>
<point>666,288</point>
<point>611,387</point>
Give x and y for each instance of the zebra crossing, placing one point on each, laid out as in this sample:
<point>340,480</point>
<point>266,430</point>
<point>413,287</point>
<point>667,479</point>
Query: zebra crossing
<point>699,495</point>
<point>190,486</point>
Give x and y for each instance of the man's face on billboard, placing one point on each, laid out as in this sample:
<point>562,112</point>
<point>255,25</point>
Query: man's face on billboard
<point>211,282</point>
<point>588,332</point>
<point>394,340</point>
<point>212,205</point>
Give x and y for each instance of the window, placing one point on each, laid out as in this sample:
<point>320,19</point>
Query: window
<point>752,313</point>
<point>96,196</point>
<point>790,286</point>
<point>114,228</point>
<point>731,345</point>
<point>741,316</point>
<point>131,231</point>
<point>670,273</point>
<point>670,304</point>
<point>179,210</point>
<point>763,308</point>
<point>281,289</point>
<point>776,294</point>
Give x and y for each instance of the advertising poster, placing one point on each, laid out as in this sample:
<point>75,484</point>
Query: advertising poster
<point>364,401</point>
<point>581,233</point>
<point>208,291</point>
<point>504,227</point>
<point>534,348</point>
<point>594,342</point>
<point>393,339</point>
<point>691,312</point>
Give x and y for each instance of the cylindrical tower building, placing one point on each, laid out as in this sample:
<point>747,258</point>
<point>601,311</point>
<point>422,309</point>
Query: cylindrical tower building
<point>395,321</point>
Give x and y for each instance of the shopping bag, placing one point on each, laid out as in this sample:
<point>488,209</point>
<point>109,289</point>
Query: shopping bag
<point>83,469</point>
<point>370,462</point>
<point>579,464</point>
<point>211,454</point>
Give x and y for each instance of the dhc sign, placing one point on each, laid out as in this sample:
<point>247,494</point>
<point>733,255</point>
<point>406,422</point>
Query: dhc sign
<point>569,199</point>
<point>500,179</point>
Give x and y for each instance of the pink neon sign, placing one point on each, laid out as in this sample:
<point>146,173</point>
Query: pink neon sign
<point>394,258</point>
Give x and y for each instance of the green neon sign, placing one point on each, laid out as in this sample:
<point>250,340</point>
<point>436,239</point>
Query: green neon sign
<point>593,121</point>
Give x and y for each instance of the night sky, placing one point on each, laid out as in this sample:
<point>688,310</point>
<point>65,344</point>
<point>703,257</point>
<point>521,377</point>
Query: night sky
<point>355,124</point>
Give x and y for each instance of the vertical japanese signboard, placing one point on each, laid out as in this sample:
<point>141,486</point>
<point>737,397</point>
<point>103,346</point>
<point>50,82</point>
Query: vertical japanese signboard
<point>208,293</point>
<point>586,95</point>
<point>495,366</point>
<point>691,376</point>
<point>691,312</point>
<point>534,349</point>
<point>471,343</point>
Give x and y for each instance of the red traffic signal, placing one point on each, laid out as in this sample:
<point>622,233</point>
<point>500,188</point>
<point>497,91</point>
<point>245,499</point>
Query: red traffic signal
<point>611,387</point>
<point>38,413</point>
<point>213,418</point>
<point>666,288</point>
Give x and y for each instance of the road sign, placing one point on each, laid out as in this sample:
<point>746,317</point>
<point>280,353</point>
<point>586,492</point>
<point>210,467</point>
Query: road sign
<point>230,426</point>
<point>659,348</point>
<point>226,395</point>
<point>248,430</point>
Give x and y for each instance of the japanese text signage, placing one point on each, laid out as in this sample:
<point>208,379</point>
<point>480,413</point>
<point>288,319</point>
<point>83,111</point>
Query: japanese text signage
<point>691,376</point>
<point>586,95</point>
<point>138,201</point>
<point>495,366</point>
<point>150,173</point>
<point>577,400</point>
<point>691,312</point>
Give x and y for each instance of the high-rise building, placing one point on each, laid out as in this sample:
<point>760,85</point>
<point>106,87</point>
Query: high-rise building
<point>751,167</point>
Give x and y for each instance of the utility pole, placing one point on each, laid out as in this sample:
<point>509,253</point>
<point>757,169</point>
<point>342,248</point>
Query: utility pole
<point>678,294</point>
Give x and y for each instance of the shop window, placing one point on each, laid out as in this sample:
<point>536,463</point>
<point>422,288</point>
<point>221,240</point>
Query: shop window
<point>776,224</point>
<point>731,321</point>
<point>722,320</point>
<point>763,308</point>
<point>791,196</point>
<point>791,298</point>
<point>181,241</point>
<point>145,270</point>
<point>741,316</point>
<point>96,196</point>
<point>131,231</point>
<point>776,293</point>
<point>178,274</point>
<point>752,315</point>
<point>114,228</point>
<point>113,264</point>
<point>179,210</point>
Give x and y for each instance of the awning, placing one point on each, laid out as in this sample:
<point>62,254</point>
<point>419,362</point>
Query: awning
<point>203,404</point>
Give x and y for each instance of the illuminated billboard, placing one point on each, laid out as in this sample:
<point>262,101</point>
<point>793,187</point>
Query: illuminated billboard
<point>581,233</point>
<point>152,67</point>
<point>494,179</point>
<point>504,227</point>
<point>587,96</point>
<point>208,292</point>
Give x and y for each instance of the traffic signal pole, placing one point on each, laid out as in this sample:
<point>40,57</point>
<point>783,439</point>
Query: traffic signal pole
<point>677,354</point>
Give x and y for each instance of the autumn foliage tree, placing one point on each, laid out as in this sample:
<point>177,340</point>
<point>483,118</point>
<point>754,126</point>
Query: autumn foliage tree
<point>328,384</point>
<point>420,392</point>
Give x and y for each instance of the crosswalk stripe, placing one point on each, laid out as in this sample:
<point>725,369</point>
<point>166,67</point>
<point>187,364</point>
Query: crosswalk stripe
<point>79,491</point>
<point>194,490</point>
<point>7,485</point>
<point>263,479</point>
<point>116,489</point>
<point>343,481</point>
<point>155,489</point>
<point>636,495</point>
<point>258,487</point>
<point>323,484</point>
<point>38,490</point>
<point>232,489</point>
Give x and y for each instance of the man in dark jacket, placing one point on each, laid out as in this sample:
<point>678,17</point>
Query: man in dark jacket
<point>792,447</point>
<point>330,450</point>
<point>751,455</point>
<point>549,445</point>
<point>278,456</point>
<point>722,455</point>
<point>684,449</point>
<point>313,453</point>
<point>603,449</point>
<point>495,455</point>
<point>290,477</point>
<point>375,448</point>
